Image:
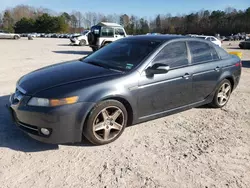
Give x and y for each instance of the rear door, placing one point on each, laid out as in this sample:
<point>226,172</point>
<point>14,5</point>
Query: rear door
<point>206,69</point>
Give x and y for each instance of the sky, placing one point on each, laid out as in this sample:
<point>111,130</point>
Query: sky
<point>137,7</point>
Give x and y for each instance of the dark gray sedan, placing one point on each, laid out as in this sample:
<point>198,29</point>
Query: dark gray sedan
<point>127,82</point>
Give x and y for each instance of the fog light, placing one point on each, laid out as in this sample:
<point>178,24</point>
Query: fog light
<point>45,131</point>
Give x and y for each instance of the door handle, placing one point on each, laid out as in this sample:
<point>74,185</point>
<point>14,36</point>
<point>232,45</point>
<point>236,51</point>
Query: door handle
<point>217,69</point>
<point>186,76</point>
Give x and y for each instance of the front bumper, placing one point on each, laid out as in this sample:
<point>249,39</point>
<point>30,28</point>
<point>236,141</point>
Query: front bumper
<point>74,41</point>
<point>65,122</point>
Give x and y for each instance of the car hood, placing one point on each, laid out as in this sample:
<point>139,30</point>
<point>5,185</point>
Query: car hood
<point>61,74</point>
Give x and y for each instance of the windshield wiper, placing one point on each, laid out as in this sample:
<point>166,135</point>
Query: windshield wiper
<point>100,64</point>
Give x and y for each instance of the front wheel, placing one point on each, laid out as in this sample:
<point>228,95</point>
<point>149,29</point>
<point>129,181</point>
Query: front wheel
<point>16,37</point>
<point>222,94</point>
<point>106,122</point>
<point>83,42</point>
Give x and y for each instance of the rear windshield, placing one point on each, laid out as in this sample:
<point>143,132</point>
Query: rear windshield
<point>200,37</point>
<point>123,55</point>
<point>96,30</point>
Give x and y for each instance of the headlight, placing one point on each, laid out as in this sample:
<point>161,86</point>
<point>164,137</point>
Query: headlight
<point>34,101</point>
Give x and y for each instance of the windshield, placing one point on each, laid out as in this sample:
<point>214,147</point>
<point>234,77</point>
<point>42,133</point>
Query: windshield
<point>201,37</point>
<point>122,55</point>
<point>85,32</point>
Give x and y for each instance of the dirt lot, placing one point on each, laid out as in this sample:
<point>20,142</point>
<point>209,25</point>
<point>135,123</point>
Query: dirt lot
<point>198,148</point>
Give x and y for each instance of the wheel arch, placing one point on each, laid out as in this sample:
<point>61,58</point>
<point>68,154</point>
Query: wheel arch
<point>120,99</point>
<point>126,104</point>
<point>231,80</point>
<point>229,76</point>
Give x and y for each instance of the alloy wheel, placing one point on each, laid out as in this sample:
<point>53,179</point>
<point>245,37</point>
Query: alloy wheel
<point>108,123</point>
<point>224,94</point>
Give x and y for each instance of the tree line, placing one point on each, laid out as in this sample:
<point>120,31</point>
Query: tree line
<point>26,19</point>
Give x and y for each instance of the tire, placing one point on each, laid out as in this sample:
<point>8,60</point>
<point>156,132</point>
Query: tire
<point>222,94</point>
<point>83,42</point>
<point>106,122</point>
<point>94,49</point>
<point>16,37</point>
<point>91,39</point>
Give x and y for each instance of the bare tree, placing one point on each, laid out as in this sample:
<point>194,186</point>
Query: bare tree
<point>88,19</point>
<point>79,17</point>
<point>1,20</point>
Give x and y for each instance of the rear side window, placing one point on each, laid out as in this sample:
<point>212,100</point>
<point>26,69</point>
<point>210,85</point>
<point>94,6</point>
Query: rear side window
<point>174,54</point>
<point>223,54</point>
<point>107,32</point>
<point>202,52</point>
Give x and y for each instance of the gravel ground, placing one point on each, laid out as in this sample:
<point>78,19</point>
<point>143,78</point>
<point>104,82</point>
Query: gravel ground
<point>201,147</point>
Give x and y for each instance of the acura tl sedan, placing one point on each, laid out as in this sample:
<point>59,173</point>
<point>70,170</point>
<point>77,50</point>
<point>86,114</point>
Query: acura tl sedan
<point>130,81</point>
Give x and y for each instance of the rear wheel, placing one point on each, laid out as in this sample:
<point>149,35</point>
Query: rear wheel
<point>16,37</point>
<point>106,122</point>
<point>222,94</point>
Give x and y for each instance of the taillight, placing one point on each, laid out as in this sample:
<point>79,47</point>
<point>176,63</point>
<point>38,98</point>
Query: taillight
<point>239,64</point>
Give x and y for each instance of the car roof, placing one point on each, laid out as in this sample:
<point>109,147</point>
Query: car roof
<point>204,36</point>
<point>162,38</point>
<point>109,24</point>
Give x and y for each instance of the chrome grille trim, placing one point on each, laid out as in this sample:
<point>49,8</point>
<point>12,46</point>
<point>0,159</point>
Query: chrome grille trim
<point>21,89</point>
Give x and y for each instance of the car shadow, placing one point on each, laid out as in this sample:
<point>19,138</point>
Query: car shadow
<point>235,48</point>
<point>246,64</point>
<point>13,138</point>
<point>73,52</point>
<point>205,106</point>
<point>63,45</point>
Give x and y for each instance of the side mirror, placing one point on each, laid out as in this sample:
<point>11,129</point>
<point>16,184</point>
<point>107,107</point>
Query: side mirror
<point>157,68</point>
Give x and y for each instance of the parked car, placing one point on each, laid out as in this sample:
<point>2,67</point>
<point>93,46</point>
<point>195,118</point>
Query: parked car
<point>8,35</point>
<point>210,38</point>
<point>245,44</point>
<point>33,35</point>
<point>80,40</point>
<point>105,33</point>
<point>129,81</point>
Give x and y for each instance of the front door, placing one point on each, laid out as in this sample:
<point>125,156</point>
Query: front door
<point>161,93</point>
<point>119,33</point>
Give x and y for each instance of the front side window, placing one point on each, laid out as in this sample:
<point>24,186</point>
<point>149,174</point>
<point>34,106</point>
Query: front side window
<point>122,55</point>
<point>119,31</point>
<point>174,54</point>
<point>202,52</point>
<point>107,32</point>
